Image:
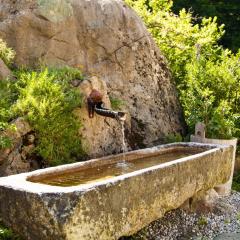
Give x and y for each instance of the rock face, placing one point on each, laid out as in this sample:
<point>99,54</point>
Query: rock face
<point>4,71</point>
<point>104,38</point>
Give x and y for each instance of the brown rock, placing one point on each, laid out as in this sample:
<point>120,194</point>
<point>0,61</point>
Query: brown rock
<point>11,159</point>
<point>3,154</point>
<point>4,71</point>
<point>27,150</point>
<point>106,39</point>
<point>14,164</point>
<point>30,138</point>
<point>22,126</point>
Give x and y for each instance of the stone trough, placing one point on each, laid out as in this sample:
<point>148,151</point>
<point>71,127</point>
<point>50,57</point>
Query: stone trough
<point>49,204</point>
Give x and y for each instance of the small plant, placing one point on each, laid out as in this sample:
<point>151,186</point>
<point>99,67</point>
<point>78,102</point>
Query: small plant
<point>6,53</point>
<point>202,221</point>
<point>7,234</point>
<point>5,142</point>
<point>116,103</point>
<point>173,137</point>
<point>227,221</point>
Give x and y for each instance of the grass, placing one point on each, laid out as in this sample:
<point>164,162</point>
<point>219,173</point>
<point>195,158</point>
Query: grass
<point>202,221</point>
<point>116,103</point>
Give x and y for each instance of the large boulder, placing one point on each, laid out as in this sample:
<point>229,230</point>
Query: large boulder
<point>107,39</point>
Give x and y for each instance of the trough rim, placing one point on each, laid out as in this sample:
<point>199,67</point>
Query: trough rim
<point>20,181</point>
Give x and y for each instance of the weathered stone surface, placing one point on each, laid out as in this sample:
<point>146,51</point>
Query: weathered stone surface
<point>107,39</point>
<point>224,189</point>
<point>4,71</point>
<point>114,207</point>
<point>204,201</point>
<point>14,164</point>
<point>13,159</point>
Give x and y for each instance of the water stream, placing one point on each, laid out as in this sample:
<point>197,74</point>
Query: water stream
<point>124,146</point>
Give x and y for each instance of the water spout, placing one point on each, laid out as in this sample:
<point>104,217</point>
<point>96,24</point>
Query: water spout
<point>95,104</point>
<point>110,113</point>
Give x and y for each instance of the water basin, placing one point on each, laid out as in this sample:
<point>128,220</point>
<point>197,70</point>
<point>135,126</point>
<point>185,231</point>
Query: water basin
<point>106,171</point>
<point>107,198</point>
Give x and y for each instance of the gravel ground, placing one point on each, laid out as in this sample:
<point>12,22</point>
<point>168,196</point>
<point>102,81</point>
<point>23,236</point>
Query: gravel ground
<point>180,225</point>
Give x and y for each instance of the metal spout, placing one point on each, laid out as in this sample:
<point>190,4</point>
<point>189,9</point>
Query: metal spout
<point>110,113</point>
<point>95,104</point>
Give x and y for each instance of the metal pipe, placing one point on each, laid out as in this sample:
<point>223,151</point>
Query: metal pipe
<point>109,113</point>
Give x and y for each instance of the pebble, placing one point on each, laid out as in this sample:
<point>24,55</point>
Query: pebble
<point>222,223</point>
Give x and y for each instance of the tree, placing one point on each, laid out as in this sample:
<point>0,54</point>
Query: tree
<point>228,13</point>
<point>207,75</point>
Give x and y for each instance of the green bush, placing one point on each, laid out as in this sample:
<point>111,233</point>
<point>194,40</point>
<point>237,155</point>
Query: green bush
<point>7,96</point>
<point>66,74</point>
<point>6,100</point>
<point>5,103</point>
<point>7,234</point>
<point>207,76</point>
<point>6,53</point>
<point>48,101</point>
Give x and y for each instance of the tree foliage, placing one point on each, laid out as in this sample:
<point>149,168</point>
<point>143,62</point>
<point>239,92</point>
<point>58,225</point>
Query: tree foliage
<point>207,76</point>
<point>228,13</point>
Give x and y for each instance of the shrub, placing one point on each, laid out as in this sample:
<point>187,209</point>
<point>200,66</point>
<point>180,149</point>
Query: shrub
<point>48,101</point>
<point>66,74</point>
<point>6,100</point>
<point>5,103</point>
<point>173,137</point>
<point>7,234</point>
